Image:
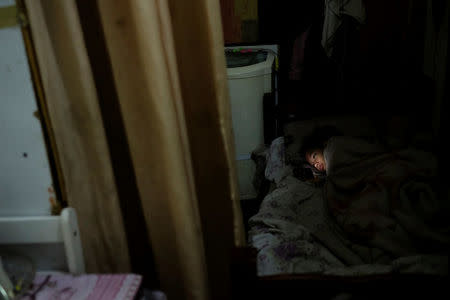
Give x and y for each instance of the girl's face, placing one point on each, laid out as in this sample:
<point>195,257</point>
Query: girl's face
<point>315,158</point>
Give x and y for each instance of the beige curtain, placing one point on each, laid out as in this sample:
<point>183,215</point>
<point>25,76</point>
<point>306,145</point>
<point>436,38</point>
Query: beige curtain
<point>168,64</point>
<point>78,138</point>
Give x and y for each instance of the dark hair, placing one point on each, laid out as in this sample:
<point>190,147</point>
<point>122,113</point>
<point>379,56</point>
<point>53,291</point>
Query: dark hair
<point>318,139</point>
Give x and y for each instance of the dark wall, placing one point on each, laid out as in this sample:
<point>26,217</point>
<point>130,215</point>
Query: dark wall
<point>375,68</point>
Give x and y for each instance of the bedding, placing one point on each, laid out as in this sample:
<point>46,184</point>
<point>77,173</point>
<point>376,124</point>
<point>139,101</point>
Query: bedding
<point>367,218</point>
<point>295,132</point>
<point>276,167</point>
<point>385,199</point>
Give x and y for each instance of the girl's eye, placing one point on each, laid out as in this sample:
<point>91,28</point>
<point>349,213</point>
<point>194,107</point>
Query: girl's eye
<point>314,155</point>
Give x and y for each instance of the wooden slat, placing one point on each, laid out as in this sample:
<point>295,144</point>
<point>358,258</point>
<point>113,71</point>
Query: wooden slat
<point>78,132</point>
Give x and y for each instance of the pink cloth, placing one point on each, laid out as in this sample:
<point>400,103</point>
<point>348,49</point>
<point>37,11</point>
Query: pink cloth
<point>84,287</point>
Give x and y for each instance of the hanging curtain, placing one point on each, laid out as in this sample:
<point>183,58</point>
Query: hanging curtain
<point>168,64</point>
<point>78,140</point>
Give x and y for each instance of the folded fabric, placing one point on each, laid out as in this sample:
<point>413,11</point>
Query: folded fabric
<point>84,287</point>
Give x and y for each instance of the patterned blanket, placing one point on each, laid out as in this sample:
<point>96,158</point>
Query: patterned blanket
<point>294,232</point>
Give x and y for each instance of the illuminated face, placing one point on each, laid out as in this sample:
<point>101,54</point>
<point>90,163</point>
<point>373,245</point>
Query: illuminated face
<point>315,158</point>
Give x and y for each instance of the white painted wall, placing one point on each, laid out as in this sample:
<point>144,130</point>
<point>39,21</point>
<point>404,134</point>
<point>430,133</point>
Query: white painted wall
<point>24,168</point>
<point>7,2</point>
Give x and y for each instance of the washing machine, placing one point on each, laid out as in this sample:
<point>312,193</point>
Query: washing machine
<point>251,74</point>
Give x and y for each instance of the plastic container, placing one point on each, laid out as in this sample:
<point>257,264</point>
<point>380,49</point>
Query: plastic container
<point>249,77</point>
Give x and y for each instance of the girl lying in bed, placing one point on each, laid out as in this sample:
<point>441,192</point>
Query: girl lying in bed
<point>381,197</point>
<point>313,150</point>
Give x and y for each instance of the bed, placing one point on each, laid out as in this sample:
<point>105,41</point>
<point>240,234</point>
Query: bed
<point>375,217</point>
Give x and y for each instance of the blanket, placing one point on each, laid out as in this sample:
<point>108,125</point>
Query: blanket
<point>282,231</point>
<point>385,199</point>
<point>294,234</point>
<point>299,229</point>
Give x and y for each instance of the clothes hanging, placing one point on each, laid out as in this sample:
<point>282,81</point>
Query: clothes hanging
<point>334,13</point>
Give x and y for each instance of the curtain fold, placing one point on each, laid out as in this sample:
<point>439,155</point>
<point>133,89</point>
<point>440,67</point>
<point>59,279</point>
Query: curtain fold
<point>139,39</point>
<point>168,64</point>
<point>75,120</point>
<point>201,62</point>
<point>169,69</point>
<point>200,56</point>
